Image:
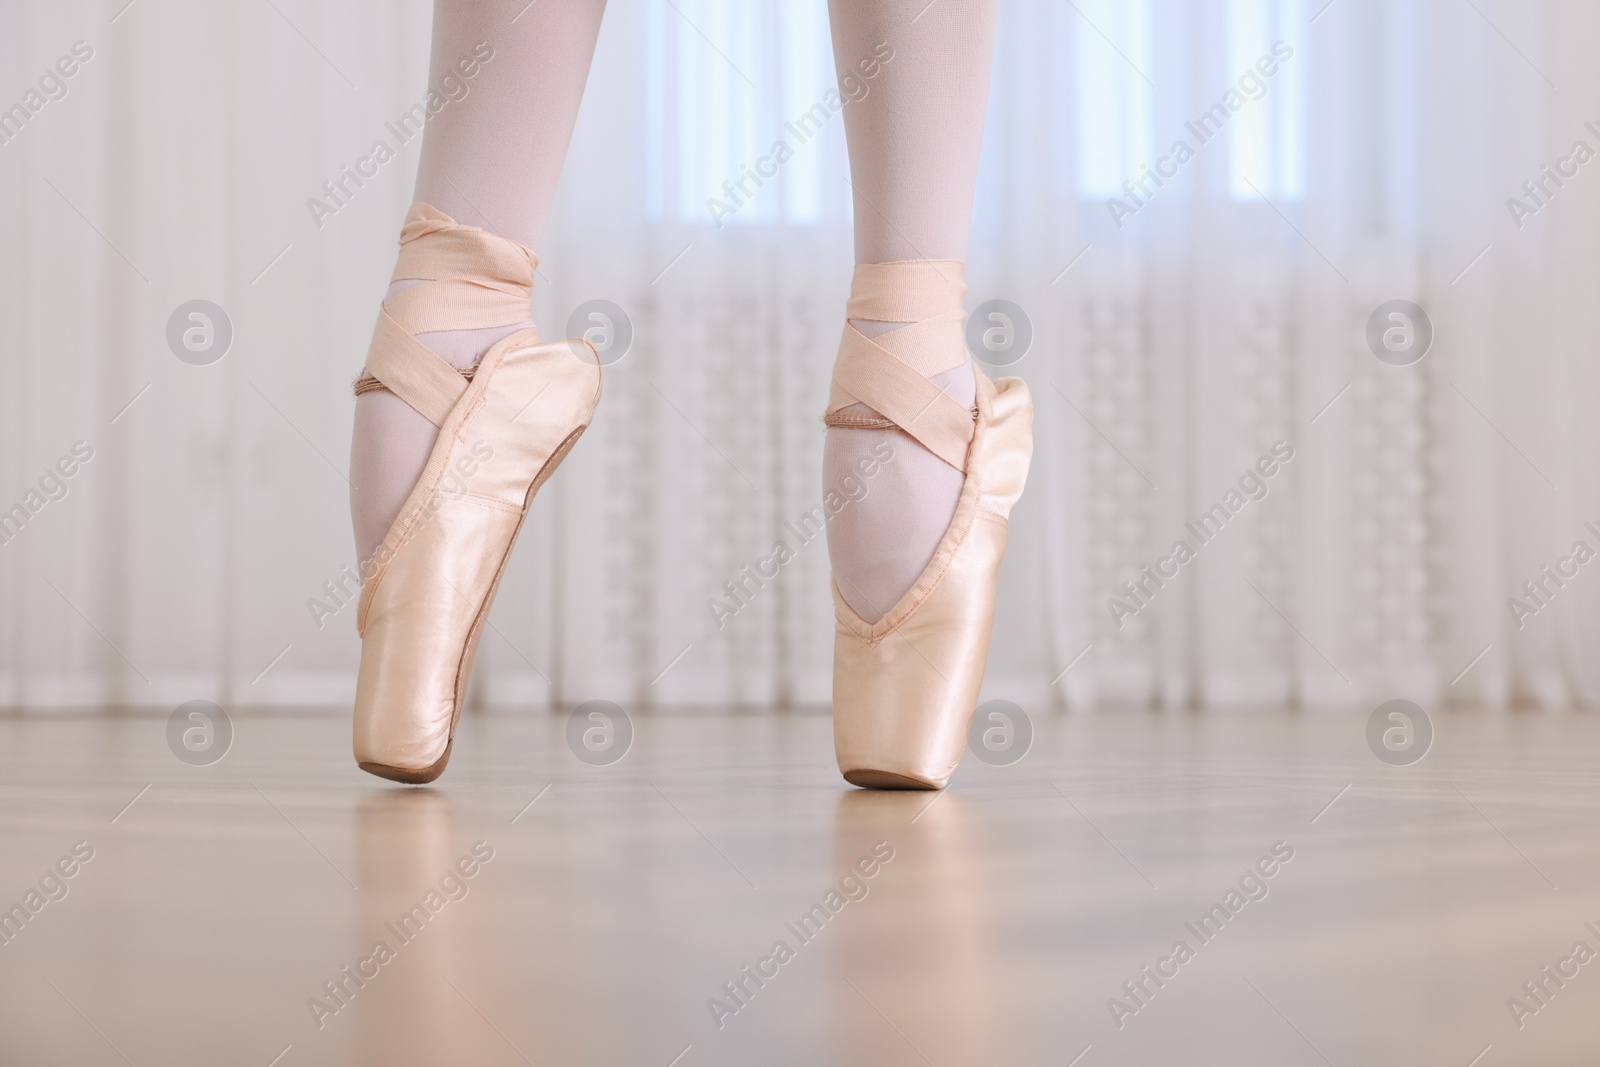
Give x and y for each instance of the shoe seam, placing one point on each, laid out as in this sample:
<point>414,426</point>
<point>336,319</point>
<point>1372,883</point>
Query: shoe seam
<point>406,523</point>
<point>993,514</point>
<point>967,509</point>
<point>487,502</point>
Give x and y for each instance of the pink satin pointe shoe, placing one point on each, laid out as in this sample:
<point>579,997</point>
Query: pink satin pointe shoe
<point>906,686</point>
<point>503,430</point>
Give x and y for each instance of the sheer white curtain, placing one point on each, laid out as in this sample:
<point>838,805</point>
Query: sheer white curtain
<point>1226,313</point>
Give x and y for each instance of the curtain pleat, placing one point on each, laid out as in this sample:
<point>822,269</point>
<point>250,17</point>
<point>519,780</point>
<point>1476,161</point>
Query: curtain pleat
<point>1402,552</point>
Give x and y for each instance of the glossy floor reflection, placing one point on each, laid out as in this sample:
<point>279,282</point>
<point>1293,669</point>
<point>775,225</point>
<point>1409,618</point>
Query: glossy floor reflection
<point>719,896</point>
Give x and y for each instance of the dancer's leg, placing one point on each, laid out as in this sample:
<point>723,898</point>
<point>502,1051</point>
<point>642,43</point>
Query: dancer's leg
<point>490,159</point>
<point>914,143</point>
<point>914,138</point>
<point>493,159</point>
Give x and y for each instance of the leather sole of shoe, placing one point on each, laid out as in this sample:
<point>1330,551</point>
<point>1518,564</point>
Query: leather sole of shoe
<point>867,779</point>
<point>410,777</point>
<point>424,775</point>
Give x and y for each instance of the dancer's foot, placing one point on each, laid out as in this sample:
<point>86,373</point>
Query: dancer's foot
<point>392,442</point>
<point>884,540</point>
<point>906,678</point>
<point>498,435</point>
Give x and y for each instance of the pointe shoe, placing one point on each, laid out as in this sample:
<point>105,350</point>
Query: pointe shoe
<point>502,433</point>
<point>906,686</point>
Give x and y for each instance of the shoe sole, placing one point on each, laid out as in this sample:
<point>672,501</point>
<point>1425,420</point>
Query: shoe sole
<point>868,779</point>
<point>412,776</point>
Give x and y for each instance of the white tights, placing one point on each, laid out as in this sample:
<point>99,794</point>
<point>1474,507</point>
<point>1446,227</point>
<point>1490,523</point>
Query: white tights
<point>490,160</point>
<point>493,159</point>
<point>914,142</point>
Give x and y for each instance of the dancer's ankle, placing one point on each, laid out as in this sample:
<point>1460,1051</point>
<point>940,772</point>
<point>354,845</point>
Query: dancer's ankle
<point>460,348</point>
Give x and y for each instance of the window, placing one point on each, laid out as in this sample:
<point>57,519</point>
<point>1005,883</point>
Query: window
<point>710,133</point>
<point>1111,46</point>
<point>1266,144</point>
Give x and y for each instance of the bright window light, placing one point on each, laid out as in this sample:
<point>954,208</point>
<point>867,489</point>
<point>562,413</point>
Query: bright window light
<point>706,127</point>
<point>1266,139</point>
<point>1111,47</point>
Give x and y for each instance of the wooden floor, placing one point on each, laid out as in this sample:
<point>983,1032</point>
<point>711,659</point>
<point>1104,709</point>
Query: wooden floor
<point>1000,920</point>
